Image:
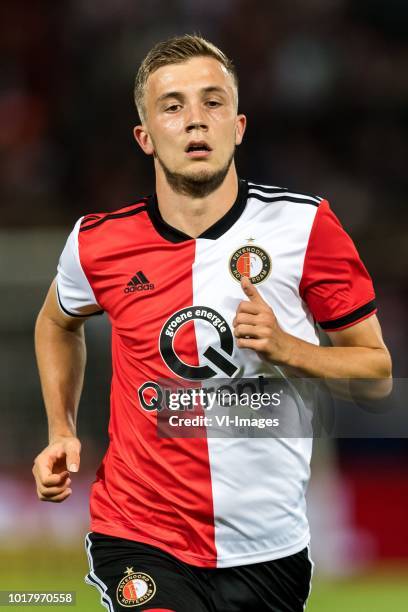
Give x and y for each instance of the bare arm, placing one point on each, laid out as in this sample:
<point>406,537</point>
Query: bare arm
<point>358,352</point>
<point>61,355</point>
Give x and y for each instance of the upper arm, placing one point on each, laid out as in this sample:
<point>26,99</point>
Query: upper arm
<point>367,333</point>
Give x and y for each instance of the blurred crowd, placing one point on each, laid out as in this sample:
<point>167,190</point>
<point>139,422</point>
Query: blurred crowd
<point>323,82</point>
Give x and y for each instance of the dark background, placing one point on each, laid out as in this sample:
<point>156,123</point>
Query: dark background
<point>324,85</point>
<point>323,82</point>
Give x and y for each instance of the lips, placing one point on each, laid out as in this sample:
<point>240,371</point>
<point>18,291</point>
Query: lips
<point>197,146</point>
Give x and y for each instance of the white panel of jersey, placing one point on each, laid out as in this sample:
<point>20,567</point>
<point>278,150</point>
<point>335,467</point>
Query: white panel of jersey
<point>271,521</point>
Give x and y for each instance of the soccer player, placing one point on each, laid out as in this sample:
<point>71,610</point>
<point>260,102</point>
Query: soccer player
<point>211,277</point>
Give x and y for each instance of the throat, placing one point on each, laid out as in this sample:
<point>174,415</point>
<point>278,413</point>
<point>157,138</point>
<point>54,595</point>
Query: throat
<point>192,217</point>
<point>192,205</point>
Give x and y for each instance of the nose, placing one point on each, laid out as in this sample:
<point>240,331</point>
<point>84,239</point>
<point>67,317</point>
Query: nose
<point>195,125</point>
<point>196,120</point>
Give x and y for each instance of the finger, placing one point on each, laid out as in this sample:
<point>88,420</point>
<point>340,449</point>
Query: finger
<point>248,331</point>
<point>244,318</point>
<point>251,291</point>
<point>251,343</point>
<point>54,480</point>
<point>248,307</point>
<point>43,466</point>
<point>53,491</point>
<point>57,498</point>
<point>73,458</point>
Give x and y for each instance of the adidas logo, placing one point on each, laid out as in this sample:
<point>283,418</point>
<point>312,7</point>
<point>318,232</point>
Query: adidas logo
<point>138,282</point>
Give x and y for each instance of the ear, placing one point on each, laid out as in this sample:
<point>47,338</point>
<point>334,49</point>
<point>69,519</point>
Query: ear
<point>143,139</point>
<point>240,126</point>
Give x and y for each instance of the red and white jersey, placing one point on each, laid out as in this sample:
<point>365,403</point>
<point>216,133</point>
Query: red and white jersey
<point>212,502</point>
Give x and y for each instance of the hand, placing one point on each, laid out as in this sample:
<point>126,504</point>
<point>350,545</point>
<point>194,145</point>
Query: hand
<point>256,327</point>
<point>52,467</point>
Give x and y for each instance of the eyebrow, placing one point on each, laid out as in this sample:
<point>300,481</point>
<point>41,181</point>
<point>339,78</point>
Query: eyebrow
<point>178,95</point>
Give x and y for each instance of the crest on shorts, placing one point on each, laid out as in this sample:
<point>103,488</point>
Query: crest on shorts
<point>251,261</point>
<point>135,588</point>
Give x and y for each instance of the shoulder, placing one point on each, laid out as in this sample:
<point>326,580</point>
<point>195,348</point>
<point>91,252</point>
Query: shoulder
<point>273,194</point>
<point>95,220</point>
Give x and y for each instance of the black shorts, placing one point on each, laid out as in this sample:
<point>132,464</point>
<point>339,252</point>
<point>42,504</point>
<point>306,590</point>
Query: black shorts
<point>134,575</point>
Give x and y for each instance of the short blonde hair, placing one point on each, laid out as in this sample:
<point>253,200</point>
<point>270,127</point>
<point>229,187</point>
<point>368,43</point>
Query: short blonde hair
<point>175,51</point>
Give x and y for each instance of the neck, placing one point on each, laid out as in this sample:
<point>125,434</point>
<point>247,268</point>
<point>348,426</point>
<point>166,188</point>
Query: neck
<point>194,215</point>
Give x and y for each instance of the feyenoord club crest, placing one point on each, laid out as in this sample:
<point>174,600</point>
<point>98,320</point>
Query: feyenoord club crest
<point>251,261</point>
<point>135,589</point>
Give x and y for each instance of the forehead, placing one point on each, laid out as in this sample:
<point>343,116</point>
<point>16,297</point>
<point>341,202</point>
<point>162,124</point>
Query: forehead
<point>195,73</point>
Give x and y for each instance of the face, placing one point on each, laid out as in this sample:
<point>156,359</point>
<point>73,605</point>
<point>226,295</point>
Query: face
<point>191,125</point>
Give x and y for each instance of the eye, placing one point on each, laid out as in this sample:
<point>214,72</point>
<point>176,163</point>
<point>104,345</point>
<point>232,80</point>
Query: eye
<point>213,103</point>
<point>173,108</point>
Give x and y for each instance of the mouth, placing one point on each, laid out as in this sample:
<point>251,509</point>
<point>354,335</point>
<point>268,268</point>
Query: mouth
<point>198,149</point>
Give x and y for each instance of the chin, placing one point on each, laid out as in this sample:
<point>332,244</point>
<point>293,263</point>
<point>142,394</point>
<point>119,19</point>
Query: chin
<point>198,180</point>
<point>200,175</point>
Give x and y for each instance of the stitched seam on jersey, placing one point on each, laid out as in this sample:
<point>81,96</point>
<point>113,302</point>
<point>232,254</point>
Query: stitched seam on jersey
<point>313,229</point>
<point>111,216</point>
<point>352,316</point>
<point>83,270</point>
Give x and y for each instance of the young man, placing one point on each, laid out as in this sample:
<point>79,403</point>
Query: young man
<point>211,277</point>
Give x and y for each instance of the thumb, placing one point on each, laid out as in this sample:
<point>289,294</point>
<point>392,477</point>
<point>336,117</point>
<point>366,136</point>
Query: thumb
<point>251,291</point>
<point>72,456</point>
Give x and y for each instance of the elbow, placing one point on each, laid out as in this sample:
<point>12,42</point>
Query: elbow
<point>381,387</point>
<point>386,367</point>
<point>378,383</point>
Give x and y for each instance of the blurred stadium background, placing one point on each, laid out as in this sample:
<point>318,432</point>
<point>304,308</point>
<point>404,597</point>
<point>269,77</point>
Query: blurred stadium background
<point>324,84</point>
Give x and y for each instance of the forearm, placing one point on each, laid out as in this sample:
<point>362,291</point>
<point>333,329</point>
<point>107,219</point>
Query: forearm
<point>61,357</point>
<point>338,361</point>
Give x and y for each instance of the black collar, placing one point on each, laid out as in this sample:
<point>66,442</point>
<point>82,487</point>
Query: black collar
<point>212,233</point>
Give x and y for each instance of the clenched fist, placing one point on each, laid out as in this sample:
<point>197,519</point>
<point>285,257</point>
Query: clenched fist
<point>52,468</point>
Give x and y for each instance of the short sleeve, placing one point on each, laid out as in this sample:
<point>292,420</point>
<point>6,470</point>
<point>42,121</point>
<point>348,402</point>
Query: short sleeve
<point>335,283</point>
<point>74,292</point>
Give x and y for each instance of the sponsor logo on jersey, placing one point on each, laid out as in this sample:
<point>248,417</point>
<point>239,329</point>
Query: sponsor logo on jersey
<point>251,261</point>
<point>138,282</point>
<point>135,589</point>
<point>216,355</point>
